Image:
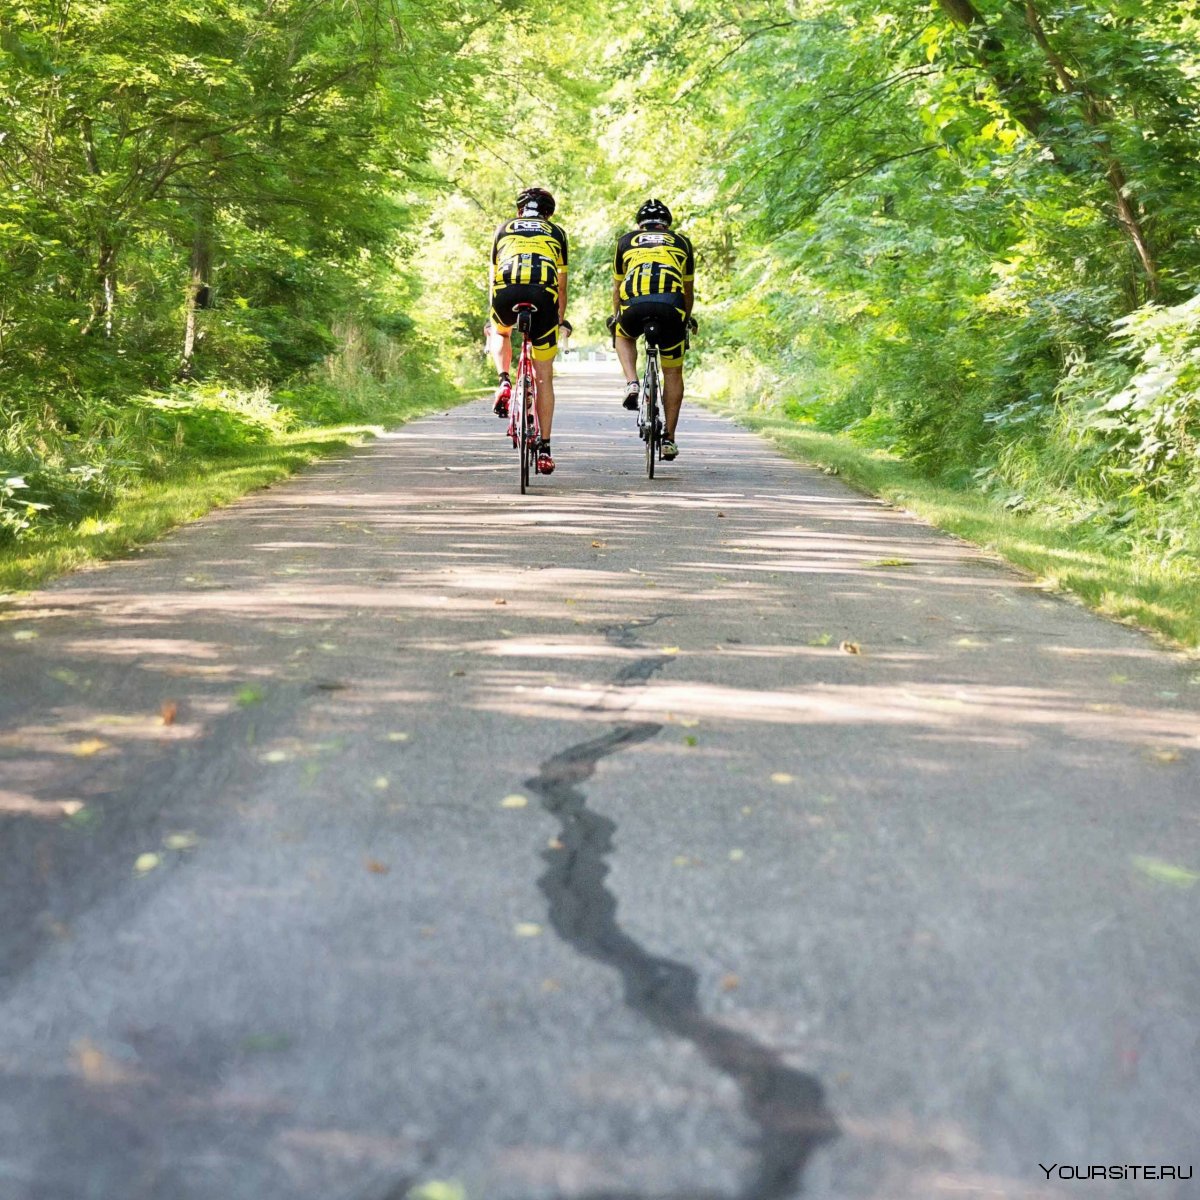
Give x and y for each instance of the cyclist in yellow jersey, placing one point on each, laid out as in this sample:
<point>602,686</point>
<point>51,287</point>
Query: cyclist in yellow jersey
<point>653,272</point>
<point>529,266</point>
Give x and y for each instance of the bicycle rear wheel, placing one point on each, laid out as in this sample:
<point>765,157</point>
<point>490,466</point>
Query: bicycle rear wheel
<point>653,429</point>
<point>524,433</point>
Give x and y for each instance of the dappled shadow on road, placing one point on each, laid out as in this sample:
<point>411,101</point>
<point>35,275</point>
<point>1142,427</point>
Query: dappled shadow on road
<point>814,643</point>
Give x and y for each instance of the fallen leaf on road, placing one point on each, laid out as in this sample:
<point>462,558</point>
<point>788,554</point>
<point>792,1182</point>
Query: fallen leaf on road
<point>1163,756</point>
<point>891,562</point>
<point>376,867</point>
<point>95,1066</point>
<point>381,783</point>
<point>88,747</point>
<point>397,737</point>
<point>438,1189</point>
<point>516,800</point>
<point>669,650</point>
<point>248,695</point>
<point>275,756</point>
<point>24,635</point>
<point>970,643</point>
<point>181,841</point>
<point>599,545</point>
<point>527,929</point>
<point>555,844</point>
<point>455,674</point>
<point>736,855</point>
<point>145,863</point>
<point>499,600</point>
<point>1118,679</point>
<point>168,711</point>
<point>730,982</point>
<point>822,639</point>
<point>782,777</point>
<point>720,514</point>
<point>850,648</point>
<point>1164,872</point>
<point>690,740</point>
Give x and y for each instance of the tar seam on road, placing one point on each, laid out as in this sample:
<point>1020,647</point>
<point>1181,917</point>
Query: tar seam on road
<point>787,1105</point>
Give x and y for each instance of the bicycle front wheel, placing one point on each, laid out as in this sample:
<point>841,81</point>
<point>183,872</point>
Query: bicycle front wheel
<point>524,433</point>
<point>653,432</point>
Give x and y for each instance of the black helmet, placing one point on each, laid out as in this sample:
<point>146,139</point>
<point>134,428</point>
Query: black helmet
<point>538,199</point>
<point>654,212</point>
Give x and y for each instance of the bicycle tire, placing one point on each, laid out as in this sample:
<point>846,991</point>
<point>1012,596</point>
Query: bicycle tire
<point>522,399</point>
<point>653,428</point>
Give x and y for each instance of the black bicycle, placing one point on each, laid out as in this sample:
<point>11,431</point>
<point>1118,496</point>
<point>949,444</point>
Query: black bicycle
<point>650,410</point>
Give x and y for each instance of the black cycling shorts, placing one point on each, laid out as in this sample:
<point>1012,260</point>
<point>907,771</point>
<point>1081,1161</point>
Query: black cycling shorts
<point>543,331</point>
<point>669,320</point>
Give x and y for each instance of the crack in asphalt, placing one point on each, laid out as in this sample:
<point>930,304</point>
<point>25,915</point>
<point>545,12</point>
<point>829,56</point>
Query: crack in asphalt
<point>787,1105</point>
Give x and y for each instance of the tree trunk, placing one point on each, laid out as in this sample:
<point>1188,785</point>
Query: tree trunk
<point>1019,97</point>
<point>1031,112</point>
<point>104,298</point>
<point>1096,113</point>
<point>199,286</point>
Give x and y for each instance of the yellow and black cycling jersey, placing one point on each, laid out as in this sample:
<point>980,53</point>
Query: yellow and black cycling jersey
<point>653,262</point>
<point>528,250</point>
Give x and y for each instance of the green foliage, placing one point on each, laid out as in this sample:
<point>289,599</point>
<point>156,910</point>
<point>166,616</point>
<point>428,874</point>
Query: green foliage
<point>1149,424</point>
<point>200,203</point>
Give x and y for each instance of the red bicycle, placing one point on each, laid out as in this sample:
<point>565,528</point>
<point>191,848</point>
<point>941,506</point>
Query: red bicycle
<point>523,426</point>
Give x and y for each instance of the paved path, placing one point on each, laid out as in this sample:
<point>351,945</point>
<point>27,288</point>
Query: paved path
<point>774,919</point>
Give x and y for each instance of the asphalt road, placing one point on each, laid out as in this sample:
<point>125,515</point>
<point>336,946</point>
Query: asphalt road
<point>388,828</point>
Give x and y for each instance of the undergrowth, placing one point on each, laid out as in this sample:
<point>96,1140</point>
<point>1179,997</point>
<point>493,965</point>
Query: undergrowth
<point>89,478</point>
<point>1058,500</point>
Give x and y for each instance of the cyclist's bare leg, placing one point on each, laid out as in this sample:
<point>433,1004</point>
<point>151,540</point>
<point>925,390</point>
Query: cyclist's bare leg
<point>544,372</point>
<point>672,398</point>
<point>627,356</point>
<point>501,348</point>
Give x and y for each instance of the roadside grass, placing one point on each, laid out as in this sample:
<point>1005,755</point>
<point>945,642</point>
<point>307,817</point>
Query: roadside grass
<point>189,488</point>
<point>1160,597</point>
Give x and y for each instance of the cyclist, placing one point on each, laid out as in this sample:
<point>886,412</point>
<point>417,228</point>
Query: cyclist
<point>529,265</point>
<point>653,269</point>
